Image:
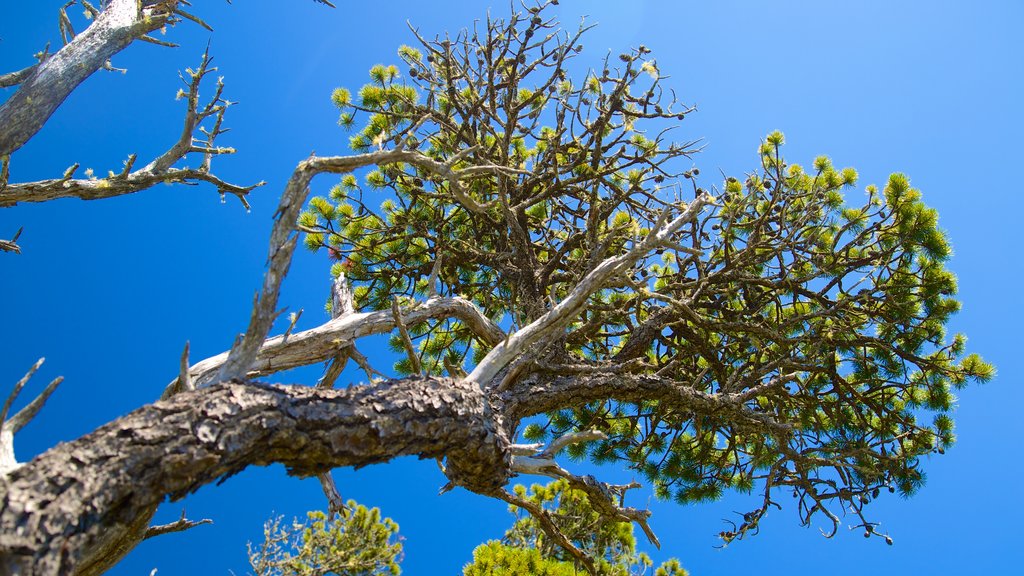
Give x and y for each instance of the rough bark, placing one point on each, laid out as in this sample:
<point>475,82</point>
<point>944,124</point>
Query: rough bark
<point>58,507</point>
<point>50,83</point>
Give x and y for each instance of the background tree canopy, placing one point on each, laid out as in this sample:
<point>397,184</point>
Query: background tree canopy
<point>892,358</point>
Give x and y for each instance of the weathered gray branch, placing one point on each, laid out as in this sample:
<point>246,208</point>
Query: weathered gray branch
<point>539,460</point>
<point>11,426</point>
<point>158,171</point>
<point>179,525</point>
<point>49,83</point>
<point>321,343</point>
<point>17,77</point>
<point>282,243</point>
<point>12,244</point>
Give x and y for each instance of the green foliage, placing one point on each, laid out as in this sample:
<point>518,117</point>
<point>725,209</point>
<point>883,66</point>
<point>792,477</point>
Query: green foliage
<point>819,312</point>
<point>358,542</point>
<point>526,549</point>
<point>497,559</point>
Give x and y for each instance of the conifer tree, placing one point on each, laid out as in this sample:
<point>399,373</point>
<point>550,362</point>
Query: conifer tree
<point>527,549</point>
<point>355,541</point>
<point>562,282</point>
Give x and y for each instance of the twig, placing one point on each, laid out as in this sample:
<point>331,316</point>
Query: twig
<point>11,426</point>
<point>11,245</point>
<point>335,505</point>
<point>17,389</point>
<point>184,376</point>
<point>414,359</point>
<point>293,319</point>
<point>178,525</point>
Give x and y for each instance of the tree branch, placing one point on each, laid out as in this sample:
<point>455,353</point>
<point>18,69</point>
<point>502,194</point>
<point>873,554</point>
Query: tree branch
<point>76,491</point>
<point>156,172</point>
<point>549,528</point>
<point>179,525</point>
<point>410,351</point>
<point>538,394</point>
<point>12,244</point>
<point>322,343</point>
<point>17,77</point>
<point>11,426</point>
<point>601,495</point>
<point>49,83</point>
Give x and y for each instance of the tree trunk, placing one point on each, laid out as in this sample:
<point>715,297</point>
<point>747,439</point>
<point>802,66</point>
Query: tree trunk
<point>65,511</point>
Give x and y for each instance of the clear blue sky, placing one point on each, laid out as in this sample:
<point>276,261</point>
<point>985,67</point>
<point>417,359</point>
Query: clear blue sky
<point>110,291</point>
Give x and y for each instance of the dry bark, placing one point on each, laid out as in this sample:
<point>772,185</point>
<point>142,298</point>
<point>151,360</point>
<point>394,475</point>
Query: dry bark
<point>59,507</point>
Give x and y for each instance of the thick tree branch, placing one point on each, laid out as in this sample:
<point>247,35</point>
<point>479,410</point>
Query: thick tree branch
<point>55,509</point>
<point>537,395</point>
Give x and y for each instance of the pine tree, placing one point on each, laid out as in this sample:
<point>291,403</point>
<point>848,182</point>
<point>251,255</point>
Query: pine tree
<point>527,549</point>
<point>354,542</point>
<point>561,281</point>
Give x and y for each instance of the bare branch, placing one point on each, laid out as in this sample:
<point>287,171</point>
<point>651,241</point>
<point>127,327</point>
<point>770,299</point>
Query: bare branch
<point>160,170</point>
<point>179,525</point>
<point>335,504</point>
<point>184,376</point>
<point>18,421</point>
<point>323,342</point>
<point>335,366</point>
<point>14,78</point>
<point>17,389</point>
<point>11,426</point>
<point>11,245</point>
<point>414,359</point>
<point>49,83</point>
<point>549,528</point>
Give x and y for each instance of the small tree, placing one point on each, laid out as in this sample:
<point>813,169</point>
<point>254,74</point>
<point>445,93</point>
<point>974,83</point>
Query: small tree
<point>354,542</point>
<point>527,548</point>
<point>541,239</point>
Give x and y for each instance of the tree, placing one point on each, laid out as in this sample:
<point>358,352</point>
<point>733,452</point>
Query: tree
<point>544,243</point>
<point>354,542</point>
<point>526,548</point>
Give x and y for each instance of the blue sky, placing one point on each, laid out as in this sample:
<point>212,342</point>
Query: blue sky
<point>110,291</point>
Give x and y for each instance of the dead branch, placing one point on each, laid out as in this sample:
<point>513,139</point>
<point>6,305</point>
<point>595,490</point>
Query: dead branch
<point>160,170</point>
